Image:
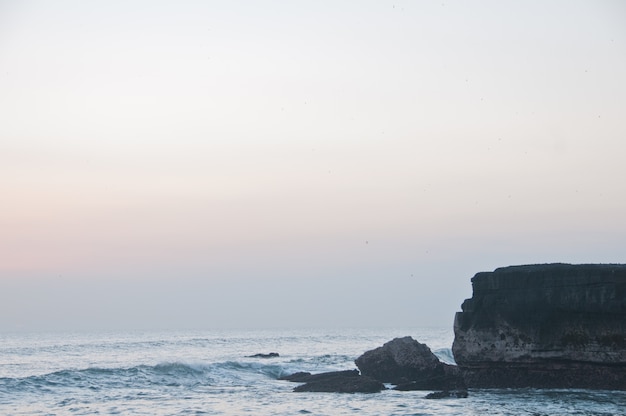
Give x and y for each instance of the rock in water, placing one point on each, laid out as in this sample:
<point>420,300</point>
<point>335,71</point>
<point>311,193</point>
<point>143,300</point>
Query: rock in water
<point>348,381</point>
<point>342,384</point>
<point>299,377</point>
<point>410,365</point>
<point>446,394</point>
<point>553,326</point>
<point>262,355</point>
<point>305,377</point>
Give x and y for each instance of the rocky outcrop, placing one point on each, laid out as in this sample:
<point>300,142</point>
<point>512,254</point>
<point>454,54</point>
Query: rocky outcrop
<point>554,325</point>
<point>348,381</point>
<point>410,365</point>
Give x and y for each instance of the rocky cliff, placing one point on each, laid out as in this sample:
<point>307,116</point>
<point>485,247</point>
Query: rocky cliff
<point>553,325</point>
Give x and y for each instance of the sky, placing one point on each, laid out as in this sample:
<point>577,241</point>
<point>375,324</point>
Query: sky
<point>268,164</point>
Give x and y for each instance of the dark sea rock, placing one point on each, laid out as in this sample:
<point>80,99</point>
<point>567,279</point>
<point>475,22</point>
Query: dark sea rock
<point>305,377</point>
<point>261,355</point>
<point>410,365</point>
<point>348,381</point>
<point>544,326</point>
<point>342,384</point>
<point>447,394</point>
<point>299,377</point>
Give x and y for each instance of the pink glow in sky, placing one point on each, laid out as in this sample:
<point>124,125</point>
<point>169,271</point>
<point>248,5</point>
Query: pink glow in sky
<point>210,164</point>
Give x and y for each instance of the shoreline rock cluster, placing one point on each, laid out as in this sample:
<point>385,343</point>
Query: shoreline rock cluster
<point>540,326</point>
<point>403,362</point>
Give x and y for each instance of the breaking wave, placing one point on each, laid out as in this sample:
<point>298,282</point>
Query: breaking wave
<point>164,374</point>
<point>445,355</point>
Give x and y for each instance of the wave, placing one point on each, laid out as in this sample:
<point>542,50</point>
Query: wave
<point>164,374</point>
<point>445,355</point>
<point>243,372</point>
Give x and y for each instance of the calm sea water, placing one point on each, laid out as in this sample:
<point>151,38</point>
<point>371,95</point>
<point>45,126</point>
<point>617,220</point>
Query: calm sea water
<point>209,373</point>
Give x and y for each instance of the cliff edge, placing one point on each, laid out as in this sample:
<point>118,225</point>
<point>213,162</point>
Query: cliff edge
<point>551,325</point>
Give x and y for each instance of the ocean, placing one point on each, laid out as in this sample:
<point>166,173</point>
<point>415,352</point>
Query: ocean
<point>211,373</point>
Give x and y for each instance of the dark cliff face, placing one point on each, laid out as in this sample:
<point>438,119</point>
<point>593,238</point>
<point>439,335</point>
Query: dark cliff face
<point>544,326</point>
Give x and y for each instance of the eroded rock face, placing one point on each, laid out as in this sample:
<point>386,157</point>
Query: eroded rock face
<point>410,365</point>
<point>554,325</point>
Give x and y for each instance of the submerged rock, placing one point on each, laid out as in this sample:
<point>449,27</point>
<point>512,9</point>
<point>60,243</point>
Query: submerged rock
<point>446,394</point>
<point>261,355</point>
<point>553,326</point>
<point>410,365</point>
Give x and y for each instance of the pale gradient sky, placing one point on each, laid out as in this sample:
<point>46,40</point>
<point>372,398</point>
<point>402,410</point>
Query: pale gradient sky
<point>200,164</point>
